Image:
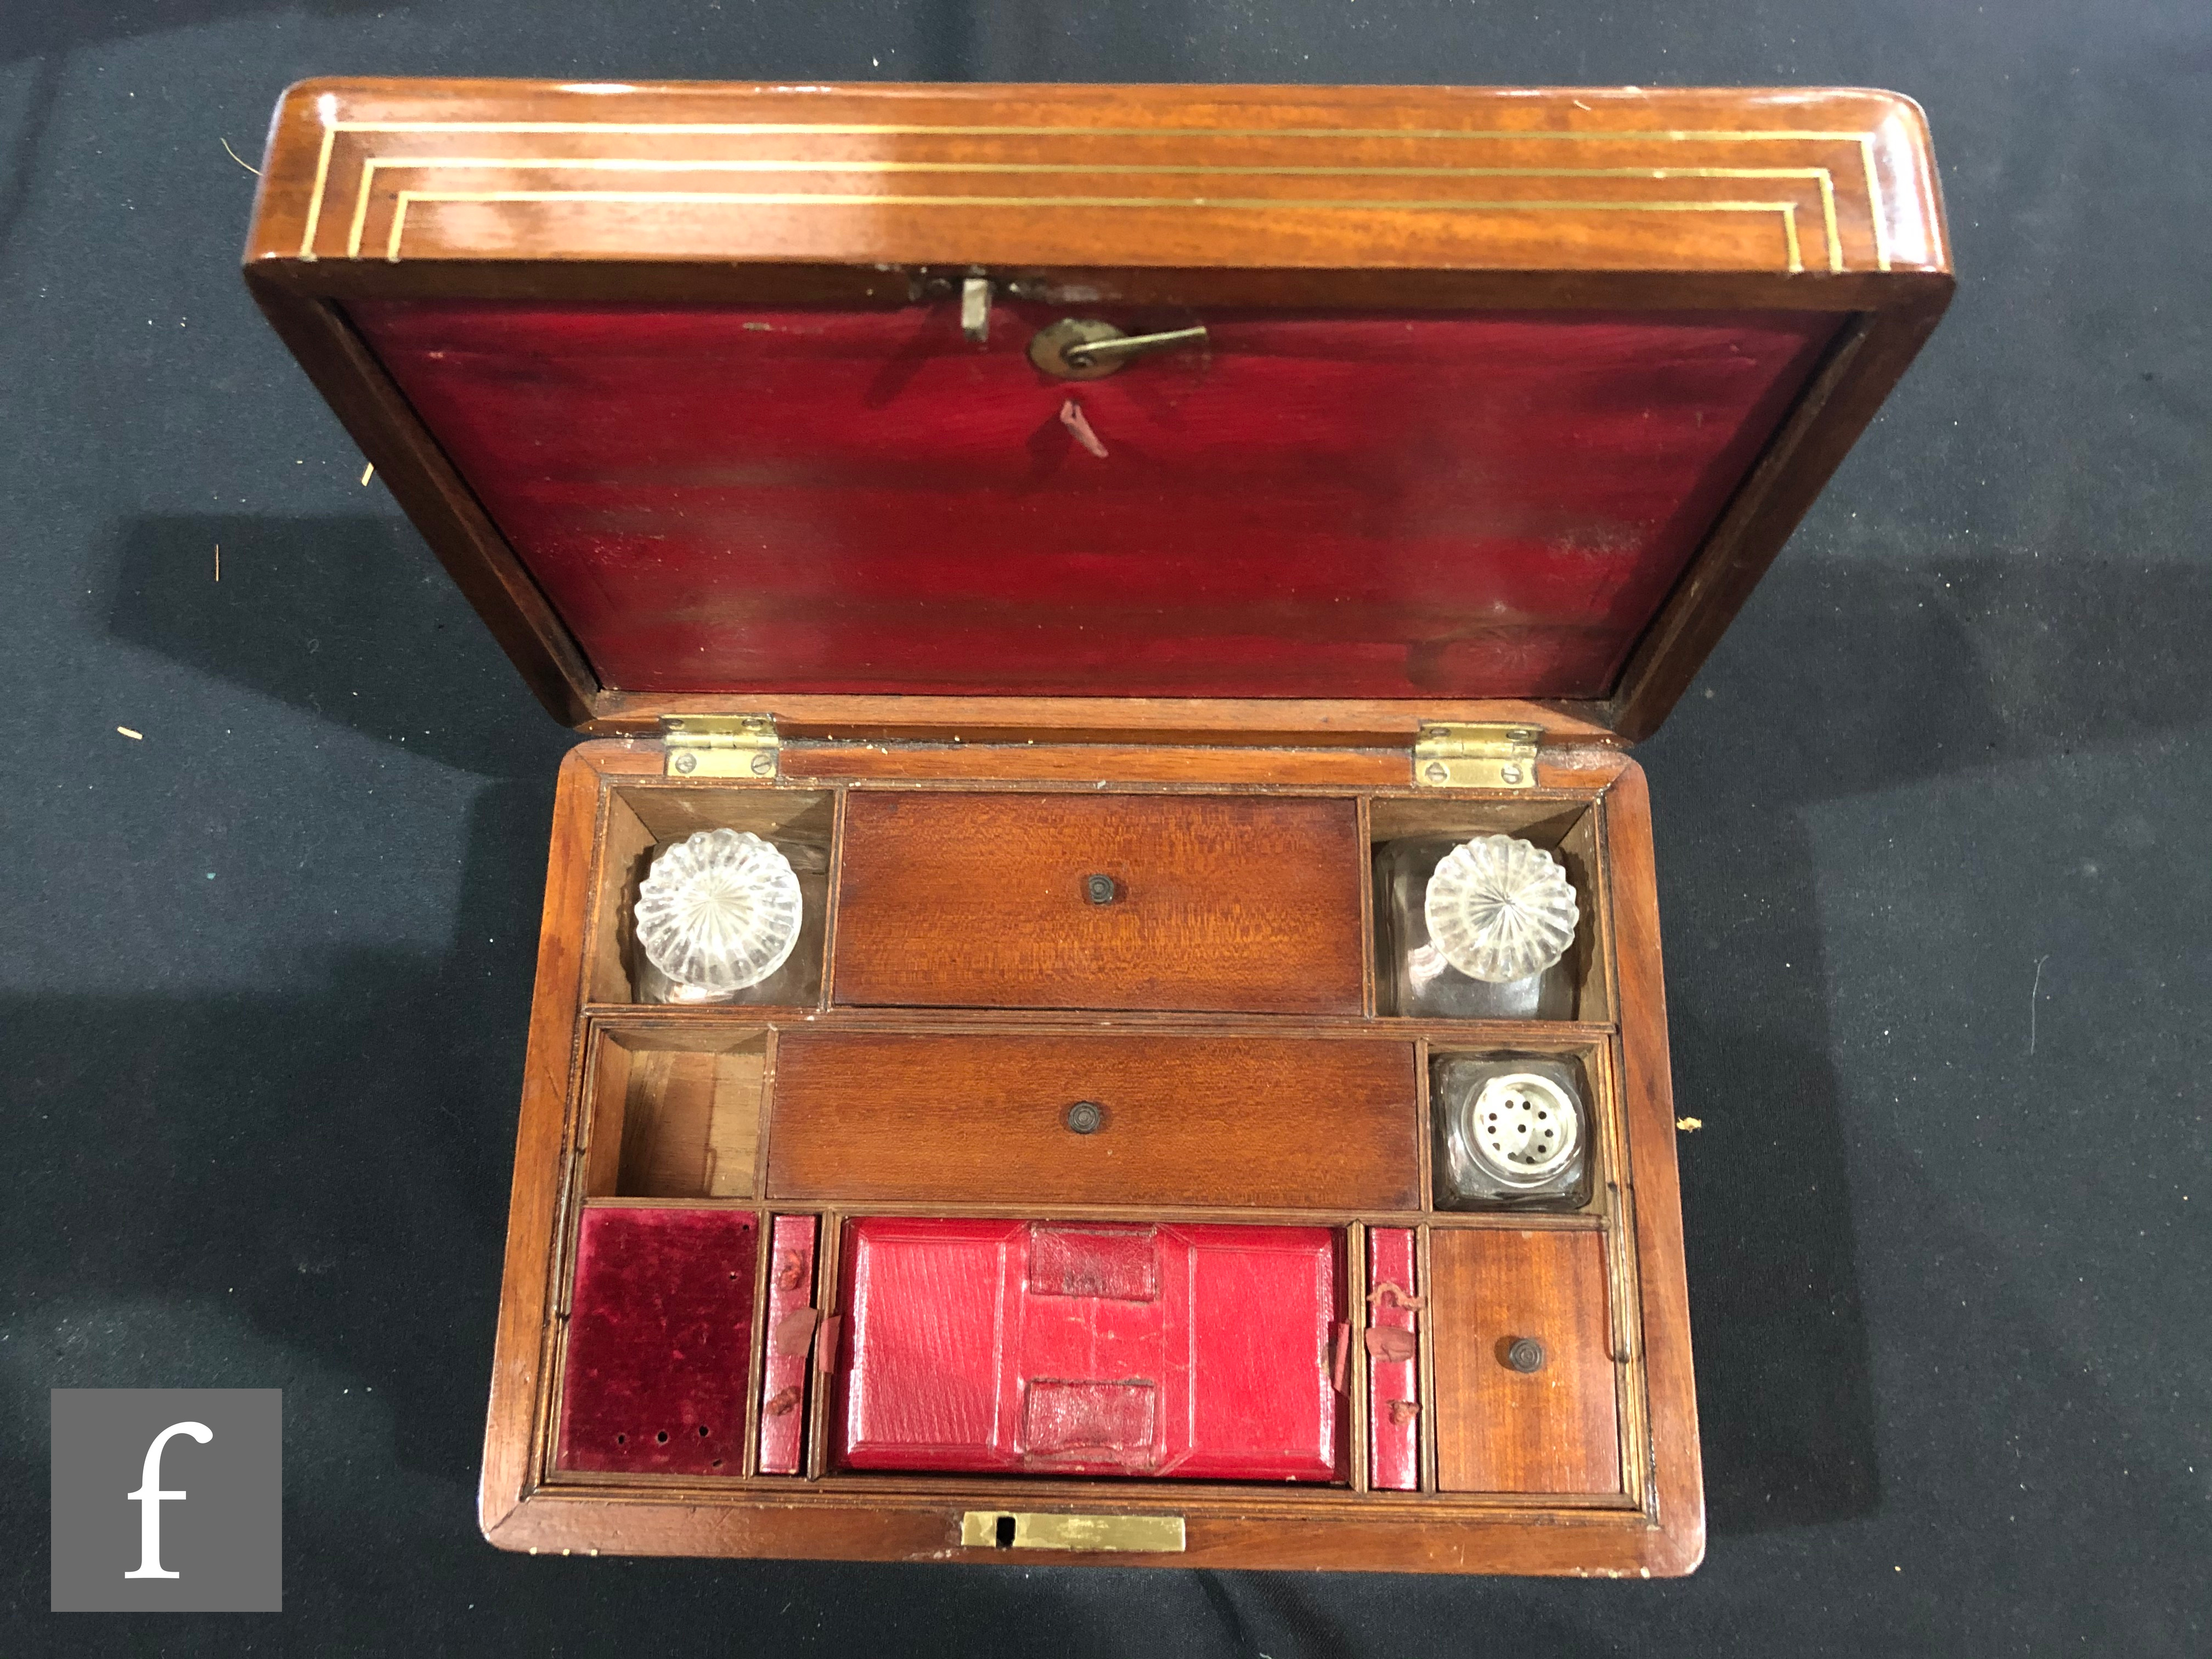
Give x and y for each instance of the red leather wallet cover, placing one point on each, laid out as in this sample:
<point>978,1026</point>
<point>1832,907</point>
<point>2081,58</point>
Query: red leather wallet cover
<point>1082,1348</point>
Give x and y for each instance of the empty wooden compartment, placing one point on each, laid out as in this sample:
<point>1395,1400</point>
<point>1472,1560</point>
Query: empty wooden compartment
<point>674,1113</point>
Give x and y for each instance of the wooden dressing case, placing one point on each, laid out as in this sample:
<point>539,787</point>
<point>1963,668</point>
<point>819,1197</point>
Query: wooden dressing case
<point>1088,532</point>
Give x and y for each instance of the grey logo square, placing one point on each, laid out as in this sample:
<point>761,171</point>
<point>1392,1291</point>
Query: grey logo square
<point>169,1500</point>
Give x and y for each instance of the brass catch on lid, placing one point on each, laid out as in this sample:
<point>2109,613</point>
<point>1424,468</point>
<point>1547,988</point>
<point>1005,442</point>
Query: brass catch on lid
<point>1085,349</point>
<point>1476,756</point>
<point>976,310</point>
<point>722,746</point>
<point>997,1529</point>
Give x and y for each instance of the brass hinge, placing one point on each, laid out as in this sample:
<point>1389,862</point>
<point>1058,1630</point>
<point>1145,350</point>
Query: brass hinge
<point>722,745</point>
<point>995,1529</point>
<point>1476,756</point>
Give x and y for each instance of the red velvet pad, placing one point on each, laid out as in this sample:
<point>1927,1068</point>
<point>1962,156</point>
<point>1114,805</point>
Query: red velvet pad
<point>1425,505</point>
<point>659,1336</point>
<point>1081,1348</point>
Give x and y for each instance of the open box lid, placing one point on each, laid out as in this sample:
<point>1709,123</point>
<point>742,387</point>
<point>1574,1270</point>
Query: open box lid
<point>727,398</point>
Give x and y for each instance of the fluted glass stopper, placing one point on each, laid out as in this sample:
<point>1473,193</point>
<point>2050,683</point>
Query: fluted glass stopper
<point>1500,908</point>
<point>718,911</point>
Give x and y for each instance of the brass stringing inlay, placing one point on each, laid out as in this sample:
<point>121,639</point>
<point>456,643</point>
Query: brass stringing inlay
<point>1785,211</point>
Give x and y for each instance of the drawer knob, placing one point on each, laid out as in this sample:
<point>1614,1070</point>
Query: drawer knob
<point>1085,1117</point>
<point>1526,1355</point>
<point>1101,889</point>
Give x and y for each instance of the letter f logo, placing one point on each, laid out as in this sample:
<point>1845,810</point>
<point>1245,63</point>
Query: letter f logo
<point>149,1494</point>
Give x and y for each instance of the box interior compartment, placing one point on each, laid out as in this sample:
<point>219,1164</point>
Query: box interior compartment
<point>1585,1064</point>
<point>675,1113</point>
<point>686,1106</point>
<point>1569,831</point>
<point>642,820</point>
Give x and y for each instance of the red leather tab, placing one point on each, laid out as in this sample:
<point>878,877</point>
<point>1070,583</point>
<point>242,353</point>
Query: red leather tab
<point>1199,1351</point>
<point>659,1324</point>
<point>793,1334</point>
<point>1090,1421</point>
<point>1119,1263</point>
<point>791,1319</point>
<point>1394,1374</point>
<point>1389,1344</point>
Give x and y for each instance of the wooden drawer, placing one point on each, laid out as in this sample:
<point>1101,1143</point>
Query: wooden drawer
<point>1550,1429</point>
<point>1217,903</point>
<point>1268,1122</point>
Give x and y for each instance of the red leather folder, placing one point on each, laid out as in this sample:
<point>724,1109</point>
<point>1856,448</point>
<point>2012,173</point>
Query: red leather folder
<point>1082,1348</point>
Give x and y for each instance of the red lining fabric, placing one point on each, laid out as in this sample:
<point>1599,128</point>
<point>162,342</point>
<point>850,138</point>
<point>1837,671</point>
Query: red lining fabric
<point>1434,505</point>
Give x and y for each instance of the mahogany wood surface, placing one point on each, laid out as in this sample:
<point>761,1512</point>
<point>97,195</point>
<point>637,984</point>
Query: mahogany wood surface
<point>1256,1122</point>
<point>1659,1281</point>
<point>539,1207</point>
<point>1313,726</point>
<point>1323,201</point>
<point>1551,1430</point>
<point>1216,902</point>
<point>1864,362</point>
<point>691,1124</point>
<point>1237,178</point>
<point>415,468</point>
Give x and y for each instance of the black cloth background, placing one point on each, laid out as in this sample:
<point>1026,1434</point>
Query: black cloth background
<point>1933,835</point>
